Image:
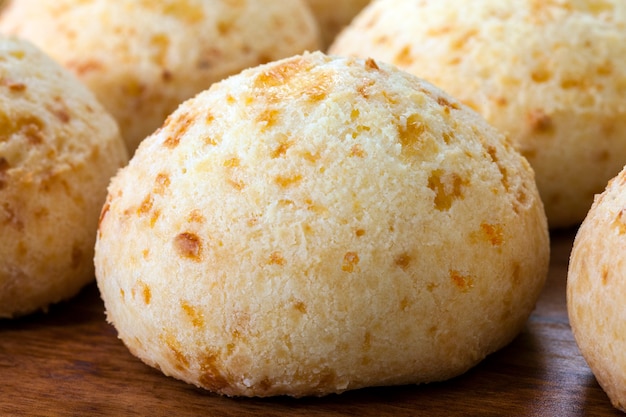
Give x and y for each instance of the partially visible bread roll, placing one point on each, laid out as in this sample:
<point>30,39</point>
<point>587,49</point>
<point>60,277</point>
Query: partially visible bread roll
<point>317,225</point>
<point>58,150</point>
<point>142,58</point>
<point>334,15</point>
<point>552,74</point>
<point>596,290</point>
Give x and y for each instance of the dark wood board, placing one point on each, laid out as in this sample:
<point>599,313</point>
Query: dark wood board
<point>69,362</point>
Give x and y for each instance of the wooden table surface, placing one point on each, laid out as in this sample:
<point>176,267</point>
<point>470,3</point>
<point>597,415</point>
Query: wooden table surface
<point>69,362</point>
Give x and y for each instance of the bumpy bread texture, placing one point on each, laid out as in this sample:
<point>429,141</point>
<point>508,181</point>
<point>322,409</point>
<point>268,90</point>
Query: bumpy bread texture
<point>58,150</point>
<point>551,74</point>
<point>596,289</point>
<point>142,58</point>
<point>333,15</point>
<point>321,224</point>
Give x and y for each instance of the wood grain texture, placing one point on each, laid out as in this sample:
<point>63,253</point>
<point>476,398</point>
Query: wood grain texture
<point>69,362</point>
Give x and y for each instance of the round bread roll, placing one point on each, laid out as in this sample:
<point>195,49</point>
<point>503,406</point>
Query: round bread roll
<point>596,289</point>
<point>550,74</point>
<point>58,150</point>
<point>321,224</point>
<point>333,15</point>
<point>142,58</point>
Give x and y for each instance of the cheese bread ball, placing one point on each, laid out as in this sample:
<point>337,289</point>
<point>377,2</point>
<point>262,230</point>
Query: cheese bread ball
<point>321,224</point>
<point>58,150</point>
<point>596,290</point>
<point>334,15</point>
<point>142,58</point>
<point>552,74</point>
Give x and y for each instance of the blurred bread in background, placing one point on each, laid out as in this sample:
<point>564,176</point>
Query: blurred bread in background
<point>58,150</point>
<point>142,59</point>
<point>551,75</point>
<point>334,15</point>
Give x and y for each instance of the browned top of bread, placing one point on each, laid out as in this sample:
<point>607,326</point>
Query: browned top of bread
<point>319,224</point>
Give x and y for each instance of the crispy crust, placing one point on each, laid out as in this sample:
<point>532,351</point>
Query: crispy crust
<point>596,290</point>
<point>317,225</point>
<point>550,73</point>
<point>142,58</point>
<point>58,150</point>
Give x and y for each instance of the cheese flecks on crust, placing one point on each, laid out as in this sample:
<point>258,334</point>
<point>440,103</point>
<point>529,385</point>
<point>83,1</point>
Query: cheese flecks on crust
<point>320,224</point>
<point>551,74</point>
<point>595,289</point>
<point>58,150</point>
<point>143,58</point>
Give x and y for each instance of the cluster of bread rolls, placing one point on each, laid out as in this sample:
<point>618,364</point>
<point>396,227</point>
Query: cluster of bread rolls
<point>79,77</point>
<point>300,223</point>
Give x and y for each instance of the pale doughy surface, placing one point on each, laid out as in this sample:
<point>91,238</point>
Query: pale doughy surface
<point>334,15</point>
<point>550,73</point>
<point>142,58</point>
<point>317,225</point>
<point>596,290</point>
<point>58,150</point>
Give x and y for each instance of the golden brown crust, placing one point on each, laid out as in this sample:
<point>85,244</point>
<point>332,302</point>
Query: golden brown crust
<point>596,290</point>
<point>317,225</point>
<point>58,150</point>
<point>550,73</point>
<point>142,58</point>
